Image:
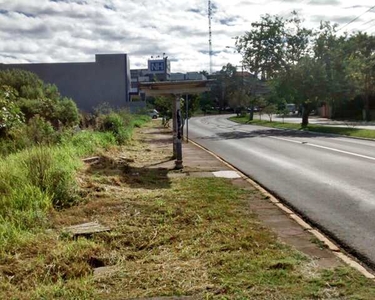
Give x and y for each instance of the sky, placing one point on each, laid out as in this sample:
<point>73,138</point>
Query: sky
<point>33,31</point>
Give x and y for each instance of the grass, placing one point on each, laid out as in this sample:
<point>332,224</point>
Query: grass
<point>42,178</point>
<point>170,237</point>
<point>347,131</point>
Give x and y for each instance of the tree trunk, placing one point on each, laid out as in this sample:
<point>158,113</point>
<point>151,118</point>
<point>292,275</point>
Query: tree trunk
<point>251,115</point>
<point>367,109</point>
<point>305,116</point>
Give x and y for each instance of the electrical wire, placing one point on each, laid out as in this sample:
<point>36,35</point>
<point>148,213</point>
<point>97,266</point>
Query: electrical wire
<point>356,18</point>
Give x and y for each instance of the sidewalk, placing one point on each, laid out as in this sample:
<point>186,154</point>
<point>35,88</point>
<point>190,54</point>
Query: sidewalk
<point>314,120</point>
<point>199,163</point>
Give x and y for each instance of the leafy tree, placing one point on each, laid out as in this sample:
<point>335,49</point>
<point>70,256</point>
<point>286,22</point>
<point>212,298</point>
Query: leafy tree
<point>226,84</point>
<point>10,113</point>
<point>33,97</point>
<point>361,65</point>
<point>270,110</point>
<point>273,44</point>
<point>309,80</point>
<point>205,102</point>
<point>333,51</point>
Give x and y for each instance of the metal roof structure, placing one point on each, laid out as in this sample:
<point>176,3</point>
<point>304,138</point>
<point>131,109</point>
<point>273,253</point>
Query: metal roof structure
<point>184,87</point>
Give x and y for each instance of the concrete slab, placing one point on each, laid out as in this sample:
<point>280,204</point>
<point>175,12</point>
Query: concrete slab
<point>227,174</point>
<point>86,229</point>
<point>201,174</point>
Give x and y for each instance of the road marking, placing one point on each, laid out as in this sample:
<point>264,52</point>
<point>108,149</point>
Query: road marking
<point>287,140</point>
<point>357,142</point>
<point>324,147</point>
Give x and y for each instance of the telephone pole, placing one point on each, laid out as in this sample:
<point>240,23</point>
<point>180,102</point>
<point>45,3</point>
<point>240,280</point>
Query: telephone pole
<point>210,33</point>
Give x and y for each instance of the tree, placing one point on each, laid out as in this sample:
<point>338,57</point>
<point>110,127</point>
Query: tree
<point>309,80</point>
<point>33,97</point>
<point>272,47</point>
<point>10,113</point>
<point>273,44</point>
<point>270,110</point>
<point>226,84</point>
<point>333,51</point>
<point>361,65</point>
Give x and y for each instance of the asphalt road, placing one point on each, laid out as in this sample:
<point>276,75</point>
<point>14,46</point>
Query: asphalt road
<point>330,180</point>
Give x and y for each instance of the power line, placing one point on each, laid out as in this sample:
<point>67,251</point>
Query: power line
<point>356,18</point>
<point>369,27</point>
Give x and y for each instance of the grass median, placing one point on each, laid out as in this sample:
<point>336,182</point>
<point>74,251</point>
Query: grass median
<point>170,237</point>
<point>346,131</point>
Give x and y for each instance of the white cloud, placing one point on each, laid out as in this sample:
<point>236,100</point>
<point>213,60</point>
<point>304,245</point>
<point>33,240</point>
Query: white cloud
<point>74,30</point>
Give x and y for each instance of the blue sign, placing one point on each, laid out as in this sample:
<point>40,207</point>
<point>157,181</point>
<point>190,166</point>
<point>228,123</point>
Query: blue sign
<point>156,66</point>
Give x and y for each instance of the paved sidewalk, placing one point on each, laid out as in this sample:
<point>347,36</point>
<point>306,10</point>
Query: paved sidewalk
<point>199,163</point>
<point>314,120</point>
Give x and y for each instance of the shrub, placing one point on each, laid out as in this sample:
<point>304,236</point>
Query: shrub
<point>67,112</point>
<point>114,123</point>
<point>40,131</point>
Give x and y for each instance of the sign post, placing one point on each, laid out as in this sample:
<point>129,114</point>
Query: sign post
<point>178,134</point>
<point>187,118</point>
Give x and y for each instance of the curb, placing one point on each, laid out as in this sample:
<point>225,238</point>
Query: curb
<point>352,262</point>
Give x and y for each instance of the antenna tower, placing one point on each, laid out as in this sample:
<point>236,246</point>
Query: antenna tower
<point>210,33</point>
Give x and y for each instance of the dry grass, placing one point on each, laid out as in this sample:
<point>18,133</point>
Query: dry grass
<point>190,236</point>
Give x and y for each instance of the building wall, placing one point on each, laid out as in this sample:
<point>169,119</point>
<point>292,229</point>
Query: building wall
<point>88,84</point>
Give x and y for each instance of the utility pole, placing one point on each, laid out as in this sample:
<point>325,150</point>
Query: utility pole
<point>210,33</point>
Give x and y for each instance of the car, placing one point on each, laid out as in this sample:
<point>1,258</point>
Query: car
<point>291,107</point>
<point>153,113</point>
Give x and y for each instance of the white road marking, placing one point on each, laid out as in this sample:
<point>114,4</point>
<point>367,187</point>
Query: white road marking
<point>323,147</point>
<point>287,140</point>
<point>357,142</point>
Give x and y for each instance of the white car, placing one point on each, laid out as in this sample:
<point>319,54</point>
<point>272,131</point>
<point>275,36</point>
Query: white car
<point>153,114</point>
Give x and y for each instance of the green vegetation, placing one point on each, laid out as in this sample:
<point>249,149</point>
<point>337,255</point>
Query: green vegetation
<point>286,62</point>
<point>170,237</point>
<point>40,152</point>
<point>348,131</point>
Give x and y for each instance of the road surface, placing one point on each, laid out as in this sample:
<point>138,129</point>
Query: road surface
<point>330,180</point>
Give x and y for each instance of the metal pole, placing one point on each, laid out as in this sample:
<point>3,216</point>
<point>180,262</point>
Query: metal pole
<point>178,139</point>
<point>187,118</point>
<point>174,121</point>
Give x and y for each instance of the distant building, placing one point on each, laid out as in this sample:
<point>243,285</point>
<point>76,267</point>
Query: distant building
<point>159,69</point>
<point>187,76</point>
<point>106,80</point>
<point>87,83</point>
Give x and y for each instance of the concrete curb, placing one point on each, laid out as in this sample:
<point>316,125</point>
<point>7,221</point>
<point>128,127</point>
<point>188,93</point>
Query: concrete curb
<point>352,262</point>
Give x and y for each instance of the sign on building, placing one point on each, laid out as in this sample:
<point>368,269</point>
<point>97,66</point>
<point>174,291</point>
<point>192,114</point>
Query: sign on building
<point>158,66</point>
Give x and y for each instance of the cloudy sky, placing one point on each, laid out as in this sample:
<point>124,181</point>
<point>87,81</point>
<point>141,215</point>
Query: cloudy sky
<point>75,30</point>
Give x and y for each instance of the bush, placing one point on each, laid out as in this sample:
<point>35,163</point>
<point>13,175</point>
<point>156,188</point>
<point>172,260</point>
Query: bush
<point>114,123</point>
<point>40,131</point>
<point>67,112</point>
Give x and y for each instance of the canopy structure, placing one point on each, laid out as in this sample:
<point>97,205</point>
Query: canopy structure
<point>185,87</point>
<point>176,89</point>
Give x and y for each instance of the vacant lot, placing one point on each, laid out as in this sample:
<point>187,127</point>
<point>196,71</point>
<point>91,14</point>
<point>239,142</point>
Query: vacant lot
<point>169,236</point>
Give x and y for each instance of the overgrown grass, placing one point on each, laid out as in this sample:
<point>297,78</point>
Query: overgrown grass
<point>41,178</point>
<point>347,131</point>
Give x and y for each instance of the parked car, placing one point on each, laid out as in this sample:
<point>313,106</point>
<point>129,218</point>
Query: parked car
<point>291,107</point>
<point>153,113</point>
